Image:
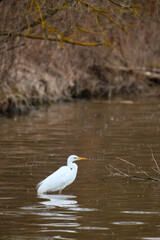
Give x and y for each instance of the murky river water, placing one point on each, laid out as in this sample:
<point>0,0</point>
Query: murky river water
<point>95,206</point>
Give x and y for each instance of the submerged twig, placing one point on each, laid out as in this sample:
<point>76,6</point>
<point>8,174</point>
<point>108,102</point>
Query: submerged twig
<point>115,171</point>
<point>155,161</point>
<point>122,173</point>
<point>133,165</point>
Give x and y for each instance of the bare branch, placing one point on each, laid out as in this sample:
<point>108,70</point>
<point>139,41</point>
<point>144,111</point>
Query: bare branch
<point>155,161</point>
<point>58,39</point>
<point>133,165</point>
<point>123,174</point>
<point>49,13</point>
<point>121,5</point>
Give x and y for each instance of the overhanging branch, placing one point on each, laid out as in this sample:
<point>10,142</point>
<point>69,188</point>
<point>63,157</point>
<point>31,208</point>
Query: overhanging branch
<point>121,5</point>
<point>48,38</point>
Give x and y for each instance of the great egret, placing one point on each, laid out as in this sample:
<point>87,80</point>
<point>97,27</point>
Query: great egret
<point>60,179</point>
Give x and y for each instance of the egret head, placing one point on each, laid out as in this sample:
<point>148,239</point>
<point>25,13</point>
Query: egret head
<point>74,158</point>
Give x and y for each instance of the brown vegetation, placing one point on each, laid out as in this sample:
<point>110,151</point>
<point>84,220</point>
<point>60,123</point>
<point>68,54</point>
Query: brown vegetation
<point>45,58</point>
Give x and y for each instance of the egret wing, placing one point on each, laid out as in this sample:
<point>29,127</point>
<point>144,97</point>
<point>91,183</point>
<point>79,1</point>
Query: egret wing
<point>56,181</point>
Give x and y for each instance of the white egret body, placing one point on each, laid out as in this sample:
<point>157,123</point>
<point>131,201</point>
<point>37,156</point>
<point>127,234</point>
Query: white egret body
<point>60,179</point>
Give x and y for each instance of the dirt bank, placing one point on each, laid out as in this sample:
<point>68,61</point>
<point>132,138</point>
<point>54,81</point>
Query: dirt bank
<point>32,81</point>
<point>37,72</point>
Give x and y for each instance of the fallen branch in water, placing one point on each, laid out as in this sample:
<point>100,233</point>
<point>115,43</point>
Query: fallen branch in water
<point>113,171</point>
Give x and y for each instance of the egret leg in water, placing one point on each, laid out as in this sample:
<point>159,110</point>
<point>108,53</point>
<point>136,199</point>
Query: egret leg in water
<point>60,179</point>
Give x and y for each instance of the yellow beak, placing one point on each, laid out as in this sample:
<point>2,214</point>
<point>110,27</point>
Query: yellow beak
<point>80,158</point>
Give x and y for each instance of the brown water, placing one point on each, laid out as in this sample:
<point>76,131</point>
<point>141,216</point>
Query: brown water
<point>94,206</point>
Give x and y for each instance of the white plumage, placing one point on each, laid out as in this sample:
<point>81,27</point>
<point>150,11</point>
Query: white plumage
<point>60,179</point>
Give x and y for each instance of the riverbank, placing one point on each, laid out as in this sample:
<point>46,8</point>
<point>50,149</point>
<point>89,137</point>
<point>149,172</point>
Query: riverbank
<point>32,84</point>
<point>34,91</point>
<point>36,71</point>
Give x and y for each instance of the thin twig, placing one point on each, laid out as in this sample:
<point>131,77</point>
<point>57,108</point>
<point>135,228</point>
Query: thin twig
<point>146,177</point>
<point>120,5</point>
<point>133,165</point>
<point>122,173</point>
<point>155,161</point>
<point>49,38</point>
<point>130,176</point>
<point>155,170</point>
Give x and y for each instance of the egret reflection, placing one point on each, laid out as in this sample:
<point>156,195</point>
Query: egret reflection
<point>58,213</point>
<point>65,201</point>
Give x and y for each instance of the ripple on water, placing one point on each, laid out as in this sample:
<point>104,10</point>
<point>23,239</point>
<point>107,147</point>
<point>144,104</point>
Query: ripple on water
<point>66,224</point>
<point>141,212</point>
<point>151,238</point>
<point>80,209</point>
<point>34,146</point>
<point>93,228</point>
<point>128,223</point>
<point>60,230</point>
<point>65,216</point>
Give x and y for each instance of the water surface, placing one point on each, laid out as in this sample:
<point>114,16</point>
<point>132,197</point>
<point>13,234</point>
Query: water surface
<point>95,206</point>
